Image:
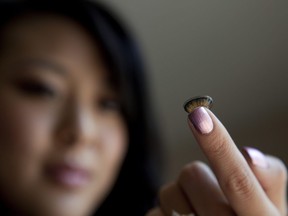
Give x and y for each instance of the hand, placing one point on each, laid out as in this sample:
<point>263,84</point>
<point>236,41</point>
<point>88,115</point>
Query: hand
<point>248,184</point>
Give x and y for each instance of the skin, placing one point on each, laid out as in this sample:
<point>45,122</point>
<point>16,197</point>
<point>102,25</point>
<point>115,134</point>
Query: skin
<point>232,185</point>
<point>77,119</point>
<point>71,116</point>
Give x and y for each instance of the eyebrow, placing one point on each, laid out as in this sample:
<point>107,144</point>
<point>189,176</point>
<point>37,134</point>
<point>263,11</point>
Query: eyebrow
<point>44,63</point>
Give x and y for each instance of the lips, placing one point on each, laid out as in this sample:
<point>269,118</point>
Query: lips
<point>68,176</point>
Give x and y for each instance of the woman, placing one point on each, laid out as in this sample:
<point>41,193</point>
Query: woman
<point>72,112</point>
<point>75,135</point>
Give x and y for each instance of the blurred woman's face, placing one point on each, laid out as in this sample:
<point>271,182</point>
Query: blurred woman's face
<point>62,136</point>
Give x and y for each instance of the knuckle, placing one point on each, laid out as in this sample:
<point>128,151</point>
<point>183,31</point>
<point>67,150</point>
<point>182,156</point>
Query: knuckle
<point>218,146</point>
<point>164,190</point>
<point>154,212</point>
<point>191,172</point>
<point>240,185</point>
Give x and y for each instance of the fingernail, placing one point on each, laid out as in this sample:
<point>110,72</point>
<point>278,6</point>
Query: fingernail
<point>201,120</point>
<point>256,157</point>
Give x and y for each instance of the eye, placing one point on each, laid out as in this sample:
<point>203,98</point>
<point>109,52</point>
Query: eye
<point>35,88</point>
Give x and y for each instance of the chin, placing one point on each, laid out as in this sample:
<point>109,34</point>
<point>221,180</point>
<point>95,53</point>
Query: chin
<point>54,201</point>
<point>61,207</point>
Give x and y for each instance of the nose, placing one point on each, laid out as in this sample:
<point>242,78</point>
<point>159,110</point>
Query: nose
<point>76,125</point>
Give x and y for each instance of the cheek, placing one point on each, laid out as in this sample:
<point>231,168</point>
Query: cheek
<point>112,140</point>
<point>21,128</point>
<point>115,144</point>
<point>114,147</point>
<point>23,145</point>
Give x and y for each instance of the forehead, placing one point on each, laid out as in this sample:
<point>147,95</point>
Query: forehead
<point>50,33</point>
<point>55,37</point>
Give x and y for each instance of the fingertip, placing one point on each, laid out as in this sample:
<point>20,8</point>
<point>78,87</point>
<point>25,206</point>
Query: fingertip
<point>273,178</point>
<point>255,157</point>
<point>201,120</point>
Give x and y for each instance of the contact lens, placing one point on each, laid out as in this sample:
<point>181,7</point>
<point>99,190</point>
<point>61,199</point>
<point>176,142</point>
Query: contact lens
<point>199,101</point>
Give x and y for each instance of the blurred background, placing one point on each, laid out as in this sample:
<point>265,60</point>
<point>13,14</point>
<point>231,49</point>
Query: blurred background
<point>234,51</point>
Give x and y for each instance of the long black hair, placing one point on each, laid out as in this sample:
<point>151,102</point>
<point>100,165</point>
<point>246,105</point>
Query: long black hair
<point>134,190</point>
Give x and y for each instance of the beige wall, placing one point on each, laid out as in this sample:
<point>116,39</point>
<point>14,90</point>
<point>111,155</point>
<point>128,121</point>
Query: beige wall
<point>234,51</point>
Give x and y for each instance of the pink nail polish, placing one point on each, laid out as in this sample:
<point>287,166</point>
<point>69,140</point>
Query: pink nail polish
<point>256,157</point>
<point>201,120</point>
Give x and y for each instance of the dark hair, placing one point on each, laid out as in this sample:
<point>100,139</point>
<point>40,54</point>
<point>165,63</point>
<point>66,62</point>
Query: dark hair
<point>134,190</point>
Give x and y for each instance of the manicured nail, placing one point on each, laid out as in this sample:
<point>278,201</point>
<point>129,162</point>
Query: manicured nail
<point>201,120</point>
<point>256,157</point>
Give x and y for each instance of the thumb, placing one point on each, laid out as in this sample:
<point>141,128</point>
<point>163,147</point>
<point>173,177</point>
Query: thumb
<point>271,174</point>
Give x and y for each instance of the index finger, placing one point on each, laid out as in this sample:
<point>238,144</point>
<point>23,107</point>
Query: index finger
<point>235,177</point>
